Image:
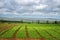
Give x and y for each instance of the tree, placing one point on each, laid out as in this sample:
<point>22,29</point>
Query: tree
<point>55,22</point>
<point>47,21</point>
<point>38,21</point>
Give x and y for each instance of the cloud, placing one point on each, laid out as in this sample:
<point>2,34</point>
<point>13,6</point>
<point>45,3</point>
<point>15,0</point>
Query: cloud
<point>30,7</point>
<point>24,2</point>
<point>40,6</point>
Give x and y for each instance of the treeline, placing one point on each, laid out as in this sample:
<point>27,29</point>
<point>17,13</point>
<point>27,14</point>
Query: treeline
<point>3,21</point>
<point>37,21</point>
<point>49,22</point>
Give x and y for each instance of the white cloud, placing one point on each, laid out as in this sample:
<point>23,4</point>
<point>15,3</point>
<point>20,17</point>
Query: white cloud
<point>15,13</point>
<point>27,1</point>
<point>41,6</point>
<point>21,1</point>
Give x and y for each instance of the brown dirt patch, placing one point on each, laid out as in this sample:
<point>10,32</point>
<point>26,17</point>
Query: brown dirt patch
<point>22,39</point>
<point>7,29</point>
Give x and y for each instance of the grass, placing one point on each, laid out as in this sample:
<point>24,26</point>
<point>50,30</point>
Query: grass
<point>32,33</point>
<point>53,29</point>
<point>21,33</point>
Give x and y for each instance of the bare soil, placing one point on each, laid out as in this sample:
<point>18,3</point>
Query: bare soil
<point>22,39</point>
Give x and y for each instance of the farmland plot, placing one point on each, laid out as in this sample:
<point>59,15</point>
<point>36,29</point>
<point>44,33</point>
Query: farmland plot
<point>30,31</point>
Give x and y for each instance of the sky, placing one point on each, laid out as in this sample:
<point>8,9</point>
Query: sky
<point>30,8</point>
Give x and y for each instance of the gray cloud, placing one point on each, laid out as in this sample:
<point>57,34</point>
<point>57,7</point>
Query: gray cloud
<point>26,8</point>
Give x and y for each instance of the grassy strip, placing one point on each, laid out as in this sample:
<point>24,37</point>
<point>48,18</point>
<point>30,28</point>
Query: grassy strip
<point>44,34</point>
<point>38,32</point>
<point>21,33</point>
<point>32,33</point>
<point>55,34</point>
<point>14,35</point>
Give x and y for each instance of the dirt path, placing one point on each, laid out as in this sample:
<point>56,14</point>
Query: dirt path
<point>22,39</point>
<point>14,35</point>
<point>26,30</point>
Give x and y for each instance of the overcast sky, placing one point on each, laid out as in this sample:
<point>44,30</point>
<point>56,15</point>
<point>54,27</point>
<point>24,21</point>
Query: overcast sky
<point>30,8</point>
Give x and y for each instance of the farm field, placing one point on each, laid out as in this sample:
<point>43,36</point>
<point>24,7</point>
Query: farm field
<point>30,31</point>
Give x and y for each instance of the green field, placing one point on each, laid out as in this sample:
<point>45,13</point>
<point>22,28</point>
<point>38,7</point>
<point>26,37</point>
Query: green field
<point>33,30</point>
